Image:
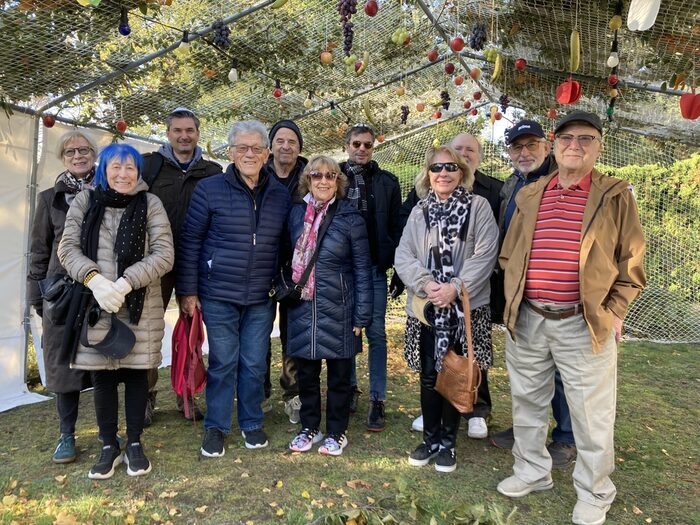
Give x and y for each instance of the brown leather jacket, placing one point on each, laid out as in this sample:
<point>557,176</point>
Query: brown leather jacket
<point>611,260</point>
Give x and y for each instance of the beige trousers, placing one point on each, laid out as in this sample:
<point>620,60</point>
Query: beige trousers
<point>590,384</point>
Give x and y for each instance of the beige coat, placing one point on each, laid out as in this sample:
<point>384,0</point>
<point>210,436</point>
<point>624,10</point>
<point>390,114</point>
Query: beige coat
<point>158,260</point>
<point>611,259</point>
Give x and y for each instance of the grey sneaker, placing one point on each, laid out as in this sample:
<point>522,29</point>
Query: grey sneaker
<point>291,408</point>
<point>562,454</point>
<point>514,487</point>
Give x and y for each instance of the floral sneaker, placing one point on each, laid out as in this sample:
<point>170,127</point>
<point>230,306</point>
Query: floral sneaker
<point>305,440</point>
<point>333,445</point>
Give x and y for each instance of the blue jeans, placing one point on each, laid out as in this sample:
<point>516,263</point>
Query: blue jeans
<point>563,432</point>
<point>376,335</point>
<point>238,337</point>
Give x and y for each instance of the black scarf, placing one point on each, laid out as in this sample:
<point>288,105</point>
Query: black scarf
<point>357,194</point>
<point>130,245</point>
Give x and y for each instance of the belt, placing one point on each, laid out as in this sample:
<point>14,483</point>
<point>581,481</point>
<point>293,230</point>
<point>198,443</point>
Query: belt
<point>556,314</point>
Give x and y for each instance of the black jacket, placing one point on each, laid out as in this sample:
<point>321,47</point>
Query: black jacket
<point>173,186</point>
<point>387,206</point>
<point>291,182</point>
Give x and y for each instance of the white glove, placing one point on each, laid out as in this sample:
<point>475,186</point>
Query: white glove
<point>123,286</point>
<point>106,294</point>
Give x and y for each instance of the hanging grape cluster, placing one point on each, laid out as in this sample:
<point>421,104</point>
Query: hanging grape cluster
<point>504,101</point>
<point>404,114</point>
<point>445,100</point>
<point>221,34</point>
<point>478,38</point>
<point>347,8</point>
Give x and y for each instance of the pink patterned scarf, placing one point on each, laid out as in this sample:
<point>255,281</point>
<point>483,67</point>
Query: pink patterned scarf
<point>306,244</point>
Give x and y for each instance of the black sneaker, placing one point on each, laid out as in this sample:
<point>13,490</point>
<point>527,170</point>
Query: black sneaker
<point>375,418</point>
<point>422,455</point>
<point>503,439</point>
<point>255,438</point>
<point>354,399</point>
<point>446,460</point>
<point>136,461</point>
<point>213,443</point>
<point>563,454</point>
<point>110,457</point>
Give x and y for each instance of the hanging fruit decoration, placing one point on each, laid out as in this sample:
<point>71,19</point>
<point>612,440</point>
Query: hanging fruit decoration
<point>361,65</point>
<point>420,107</point>
<point>221,34</point>
<point>347,8</point>
<point>433,55</point>
<point>690,105</point>
<point>568,91</point>
<point>48,120</point>
<point>492,113</point>
<point>449,68</point>
<point>458,80</point>
<point>457,44</point>
<point>504,101</point>
<point>326,57</point>
<point>437,114</point>
<point>498,66</point>
<point>475,73</point>
<point>404,114</point>
<point>124,27</point>
<point>474,112</point>
<point>467,104</point>
<point>401,37</point>
<point>381,138</point>
<point>574,51</point>
<point>445,99</point>
<point>334,111</point>
<point>277,93</point>
<point>120,125</point>
<point>401,90</point>
<point>520,64</point>
<point>552,114</point>
<point>478,36</point>
<point>614,60</point>
<point>476,95</point>
<point>308,102</point>
<point>371,8</point>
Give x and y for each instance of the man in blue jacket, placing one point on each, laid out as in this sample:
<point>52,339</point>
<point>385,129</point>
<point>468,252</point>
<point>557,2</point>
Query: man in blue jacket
<point>227,259</point>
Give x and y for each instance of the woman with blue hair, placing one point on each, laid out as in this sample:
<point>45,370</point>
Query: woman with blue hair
<point>117,242</point>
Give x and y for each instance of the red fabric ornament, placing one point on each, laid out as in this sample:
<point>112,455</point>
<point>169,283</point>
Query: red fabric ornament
<point>690,105</point>
<point>569,92</point>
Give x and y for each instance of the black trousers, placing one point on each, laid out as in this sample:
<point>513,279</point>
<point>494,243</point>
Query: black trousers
<point>167,285</point>
<point>288,377</point>
<point>482,407</point>
<point>67,408</point>
<point>339,393</point>
<point>107,402</point>
<point>440,418</point>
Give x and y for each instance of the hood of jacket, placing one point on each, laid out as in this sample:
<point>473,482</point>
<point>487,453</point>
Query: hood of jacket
<point>167,151</point>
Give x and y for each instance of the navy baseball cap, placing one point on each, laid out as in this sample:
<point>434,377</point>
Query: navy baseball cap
<point>524,127</point>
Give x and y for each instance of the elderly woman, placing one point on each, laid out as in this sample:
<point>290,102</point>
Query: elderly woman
<point>117,242</point>
<point>227,258</point>
<point>450,241</point>
<point>77,151</point>
<point>336,301</point>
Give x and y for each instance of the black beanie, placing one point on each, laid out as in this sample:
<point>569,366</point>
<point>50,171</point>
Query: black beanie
<point>289,124</point>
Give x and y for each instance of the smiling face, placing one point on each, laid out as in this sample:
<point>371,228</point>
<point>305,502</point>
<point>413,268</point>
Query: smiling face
<point>324,182</point>
<point>467,146</point>
<point>122,175</point>
<point>244,157</point>
<point>531,155</point>
<point>360,147</point>
<point>573,157</point>
<point>285,146</point>
<point>183,136</point>
<point>444,182</point>
<point>79,164</point>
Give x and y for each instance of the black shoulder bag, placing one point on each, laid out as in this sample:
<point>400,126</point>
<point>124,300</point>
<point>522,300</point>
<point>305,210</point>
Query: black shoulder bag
<point>284,289</point>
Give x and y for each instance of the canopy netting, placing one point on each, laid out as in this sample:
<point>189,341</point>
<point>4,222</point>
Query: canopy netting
<point>70,61</point>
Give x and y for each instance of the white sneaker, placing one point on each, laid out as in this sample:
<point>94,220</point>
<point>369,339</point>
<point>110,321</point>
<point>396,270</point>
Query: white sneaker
<point>477,428</point>
<point>417,424</point>
<point>291,408</point>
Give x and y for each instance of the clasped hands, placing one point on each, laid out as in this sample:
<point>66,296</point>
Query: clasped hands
<point>109,295</point>
<point>440,295</point>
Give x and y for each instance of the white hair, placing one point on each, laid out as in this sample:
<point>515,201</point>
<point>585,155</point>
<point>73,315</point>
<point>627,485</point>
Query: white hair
<point>248,126</point>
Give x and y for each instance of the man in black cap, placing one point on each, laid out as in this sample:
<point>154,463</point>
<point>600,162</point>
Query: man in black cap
<point>286,165</point>
<point>531,156</point>
<point>172,173</point>
<point>574,262</point>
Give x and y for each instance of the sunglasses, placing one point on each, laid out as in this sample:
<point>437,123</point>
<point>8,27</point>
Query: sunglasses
<point>356,144</point>
<point>317,175</point>
<point>70,152</point>
<point>451,167</point>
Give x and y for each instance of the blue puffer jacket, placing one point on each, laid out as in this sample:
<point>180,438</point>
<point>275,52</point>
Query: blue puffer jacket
<point>322,328</point>
<point>229,243</point>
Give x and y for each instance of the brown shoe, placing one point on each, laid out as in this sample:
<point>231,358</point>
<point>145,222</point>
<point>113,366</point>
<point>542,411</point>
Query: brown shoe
<point>562,454</point>
<point>195,413</point>
<point>503,439</point>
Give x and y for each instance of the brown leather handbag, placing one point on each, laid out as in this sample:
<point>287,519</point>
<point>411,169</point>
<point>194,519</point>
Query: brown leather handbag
<point>460,377</point>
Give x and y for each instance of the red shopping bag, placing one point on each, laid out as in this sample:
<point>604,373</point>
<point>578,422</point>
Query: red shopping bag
<point>188,374</point>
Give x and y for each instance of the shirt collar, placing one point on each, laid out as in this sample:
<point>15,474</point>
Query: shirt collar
<point>583,185</point>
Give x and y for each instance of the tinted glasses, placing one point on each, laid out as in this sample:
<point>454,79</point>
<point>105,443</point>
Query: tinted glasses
<point>584,141</point>
<point>437,167</point>
<point>357,143</point>
<point>318,175</point>
<point>517,148</point>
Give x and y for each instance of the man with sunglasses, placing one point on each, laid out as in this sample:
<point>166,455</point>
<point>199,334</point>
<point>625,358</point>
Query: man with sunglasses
<point>532,159</point>
<point>172,173</point>
<point>377,194</point>
<point>574,261</point>
<point>286,165</point>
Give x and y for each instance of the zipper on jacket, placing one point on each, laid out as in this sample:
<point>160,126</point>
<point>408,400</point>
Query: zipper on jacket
<point>254,234</point>
<point>342,288</point>
<point>313,326</point>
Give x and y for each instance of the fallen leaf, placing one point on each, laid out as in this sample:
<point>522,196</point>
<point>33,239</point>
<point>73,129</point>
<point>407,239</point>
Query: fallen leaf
<point>340,492</point>
<point>280,512</point>
<point>648,520</point>
<point>116,513</point>
<point>13,484</point>
<point>63,518</point>
<point>266,490</point>
<point>636,510</point>
<point>250,522</point>
<point>323,485</point>
<point>60,478</point>
<point>203,508</point>
<point>305,494</point>
<point>237,460</point>
<point>130,518</point>
<point>272,504</point>
<point>173,511</point>
<point>433,520</point>
<point>279,484</point>
<point>386,485</point>
<point>370,500</point>
<point>22,493</point>
<point>354,483</point>
<point>9,500</point>
<point>155,517</point>
<point>140,503</point>
<point>166,494</point>
<point>245,475</point>
<point>666,453</point>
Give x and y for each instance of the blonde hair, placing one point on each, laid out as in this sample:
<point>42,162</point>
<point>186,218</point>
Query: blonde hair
<point>331,165</point>
<point>423,178</point>
<point>75,134</point>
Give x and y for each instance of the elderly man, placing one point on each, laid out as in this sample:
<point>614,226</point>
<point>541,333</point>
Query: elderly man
<point>286,165</point>
<point>172,173</point>
<point>489,188</point>
<point>573,261</point>
<point>226,261</point>
<point>531,156</point>
<point>377,194</point>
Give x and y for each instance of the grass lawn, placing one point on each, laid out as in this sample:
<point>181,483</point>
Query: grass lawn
<point>657,451</point>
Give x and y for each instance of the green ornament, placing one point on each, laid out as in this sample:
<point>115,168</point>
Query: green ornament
<point>610,111</point>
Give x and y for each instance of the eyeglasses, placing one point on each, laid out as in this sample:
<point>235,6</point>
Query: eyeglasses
<point>242,149</point>
<point>356,144</point>
<point>70,152</point>
<point>317,175</point>
<point>517,148</point>
<point>583,140</point>
<point>451,167</point>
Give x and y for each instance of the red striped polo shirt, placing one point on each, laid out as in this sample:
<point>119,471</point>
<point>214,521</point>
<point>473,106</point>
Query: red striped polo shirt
<point>553,273</point>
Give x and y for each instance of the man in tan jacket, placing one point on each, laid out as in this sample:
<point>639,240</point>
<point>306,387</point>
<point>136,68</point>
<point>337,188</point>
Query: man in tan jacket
<point>573,261</point>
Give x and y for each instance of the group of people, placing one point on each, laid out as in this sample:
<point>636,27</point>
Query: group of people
<point>555,253</point>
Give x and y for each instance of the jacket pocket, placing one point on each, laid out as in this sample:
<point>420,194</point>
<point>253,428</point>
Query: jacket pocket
<point>343,289</point>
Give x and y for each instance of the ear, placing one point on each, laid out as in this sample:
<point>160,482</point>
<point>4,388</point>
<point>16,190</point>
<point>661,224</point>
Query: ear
<point>229,153</point>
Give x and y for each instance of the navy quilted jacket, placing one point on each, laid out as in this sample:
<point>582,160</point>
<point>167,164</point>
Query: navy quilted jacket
<point>322,328</point>
<point>229,243</point>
